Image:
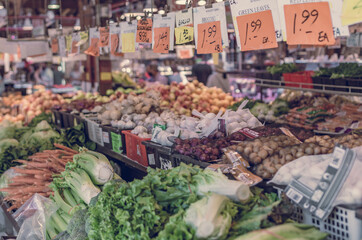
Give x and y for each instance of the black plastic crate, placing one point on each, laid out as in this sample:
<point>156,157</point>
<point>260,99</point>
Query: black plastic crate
<point>159,156</point>
<point>114,139</point>
<point>57,118</point>
<point>65,119</point>
<point>355,82</point>
<point>74,120</point>
<point>178,158</point>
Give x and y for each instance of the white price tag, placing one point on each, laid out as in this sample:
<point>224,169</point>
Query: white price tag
<point>127,27</point>
<point>216,13</point>
<point>167,21</point>
<point>151,159</point>
<point>106,137</point>
<point>184,18</point>
<point>62,47</point>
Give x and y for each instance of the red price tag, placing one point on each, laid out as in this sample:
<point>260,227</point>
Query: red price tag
<point>161,39</point>
<point>257,31</point>
<point>309,24</point>
<point>144,31</point>
<point>209,38</point>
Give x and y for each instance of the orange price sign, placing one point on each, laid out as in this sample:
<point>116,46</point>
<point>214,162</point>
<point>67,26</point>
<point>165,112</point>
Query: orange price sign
<point>161,39</point>
<point>115,44</point>
<point>309,24</point>
<point>257,31</point>
<point>144,31</point>
<point>93,49</point>
<point>104,33</point>
<point>209,38</point>
<point>55,45</point>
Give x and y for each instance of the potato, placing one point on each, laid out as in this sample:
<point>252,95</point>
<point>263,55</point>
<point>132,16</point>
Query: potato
<point>299,154</point>
<point>247,150</point>
<point>309,151</point>
<point>263,154</point>
<point>288,157</point>
<point>257,160</point>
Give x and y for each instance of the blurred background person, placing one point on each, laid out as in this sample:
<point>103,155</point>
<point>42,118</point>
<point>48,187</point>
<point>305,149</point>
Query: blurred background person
<point>219,78</point>
<point>175,77</point>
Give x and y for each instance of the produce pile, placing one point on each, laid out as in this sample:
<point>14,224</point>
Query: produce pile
<point>182,99</point>
<point>74,190</point>
<point>35,175</point>
<point>32,105</point>
<point>182,203</point>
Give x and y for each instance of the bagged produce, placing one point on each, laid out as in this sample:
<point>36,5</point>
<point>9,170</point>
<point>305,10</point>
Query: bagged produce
<point>32,217</point>
<point>309,171</point>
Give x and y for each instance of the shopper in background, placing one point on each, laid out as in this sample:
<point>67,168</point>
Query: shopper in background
<point>219,78</point>
<point>153,75</point>
<point>58,75</point>
<point>47,76</point>
<point>76,75</point>
<point>201,70</point>
<point>37,74</point>
<point>175,77</point>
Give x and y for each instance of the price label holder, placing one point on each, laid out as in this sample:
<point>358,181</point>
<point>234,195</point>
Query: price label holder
<point>256,31</point>
<point>184,18</point>
<point>62,46</point>
<point>215,13</point>
<point>241,7</point>
<point>116,142</point>
<point>128,37</point>
<point>309,23</point>
<point>161,40</point>
<point>104,36</point>
<point>55,45</point>
<point>319,202</point>
<point>75,47</point>
<point>144,30</point>
<point>114,31</point>
<point>68,43</point>
<point>93,48</point>
<point>95,132</point>
<point>160,25</point>
<point>184,34</point>
<point>249,133</point>
<point>351,12</point>
<point>209,38</point>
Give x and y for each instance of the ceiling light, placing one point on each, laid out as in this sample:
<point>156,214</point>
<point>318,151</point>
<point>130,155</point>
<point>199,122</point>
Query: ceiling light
<point>201,2</point>
<point>180,2</point>
<point>53,4</point>
<point>219,0</point>
<point>161,11</point>
<point>1,5</point>
<point>138,17</point>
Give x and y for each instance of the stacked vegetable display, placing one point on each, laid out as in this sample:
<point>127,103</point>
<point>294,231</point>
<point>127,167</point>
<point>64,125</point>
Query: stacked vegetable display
<point>35,175</point>
<point>74,189</point>
<point>182,99</point>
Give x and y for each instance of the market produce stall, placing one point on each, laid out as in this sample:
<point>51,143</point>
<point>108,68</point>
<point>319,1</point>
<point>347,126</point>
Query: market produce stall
<point>260,161</point>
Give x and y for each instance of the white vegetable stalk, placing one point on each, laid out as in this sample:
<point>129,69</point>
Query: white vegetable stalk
<point>205,217</point>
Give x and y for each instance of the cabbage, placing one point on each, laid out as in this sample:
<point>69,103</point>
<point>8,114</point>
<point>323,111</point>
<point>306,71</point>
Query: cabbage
<point>6,143</point>
<point>42,126</point>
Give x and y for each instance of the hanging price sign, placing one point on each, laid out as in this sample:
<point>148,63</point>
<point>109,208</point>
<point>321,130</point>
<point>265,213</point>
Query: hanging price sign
<point>209,38</point>
<point>115,44</point>
<point>104,33</point>
<point>309,23</point>
<point>128,42</point>
<point>55,45</point>
<point>93,49</point>
<point>144,31</point>
<point>184,34</point>
<point>68,42</point>
<point>257,31</point>
<point>161,39</point>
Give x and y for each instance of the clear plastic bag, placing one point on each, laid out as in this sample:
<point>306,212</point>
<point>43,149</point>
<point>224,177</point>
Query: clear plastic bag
<point>32,217</point>
<point>309,170</point>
